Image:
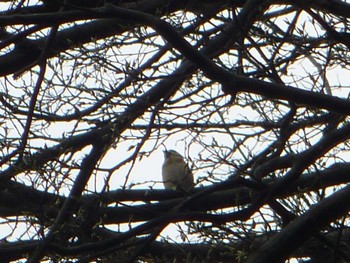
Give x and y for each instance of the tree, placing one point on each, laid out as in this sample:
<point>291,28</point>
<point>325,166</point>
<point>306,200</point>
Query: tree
<point>254,91</point>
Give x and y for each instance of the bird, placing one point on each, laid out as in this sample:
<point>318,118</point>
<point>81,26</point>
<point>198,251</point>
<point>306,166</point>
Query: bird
<point>176,173</point>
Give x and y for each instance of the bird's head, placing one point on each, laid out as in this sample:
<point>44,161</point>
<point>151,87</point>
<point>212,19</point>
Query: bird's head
<point>171,154</point>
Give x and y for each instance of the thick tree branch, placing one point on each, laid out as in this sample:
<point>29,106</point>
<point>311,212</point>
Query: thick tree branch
<point>293,236</point>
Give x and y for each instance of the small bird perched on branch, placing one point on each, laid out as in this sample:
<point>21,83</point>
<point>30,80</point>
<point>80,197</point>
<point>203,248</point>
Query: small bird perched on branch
<point>176,173</point>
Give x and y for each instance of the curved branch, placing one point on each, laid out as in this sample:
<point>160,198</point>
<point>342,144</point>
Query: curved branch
<point>293,236</point>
